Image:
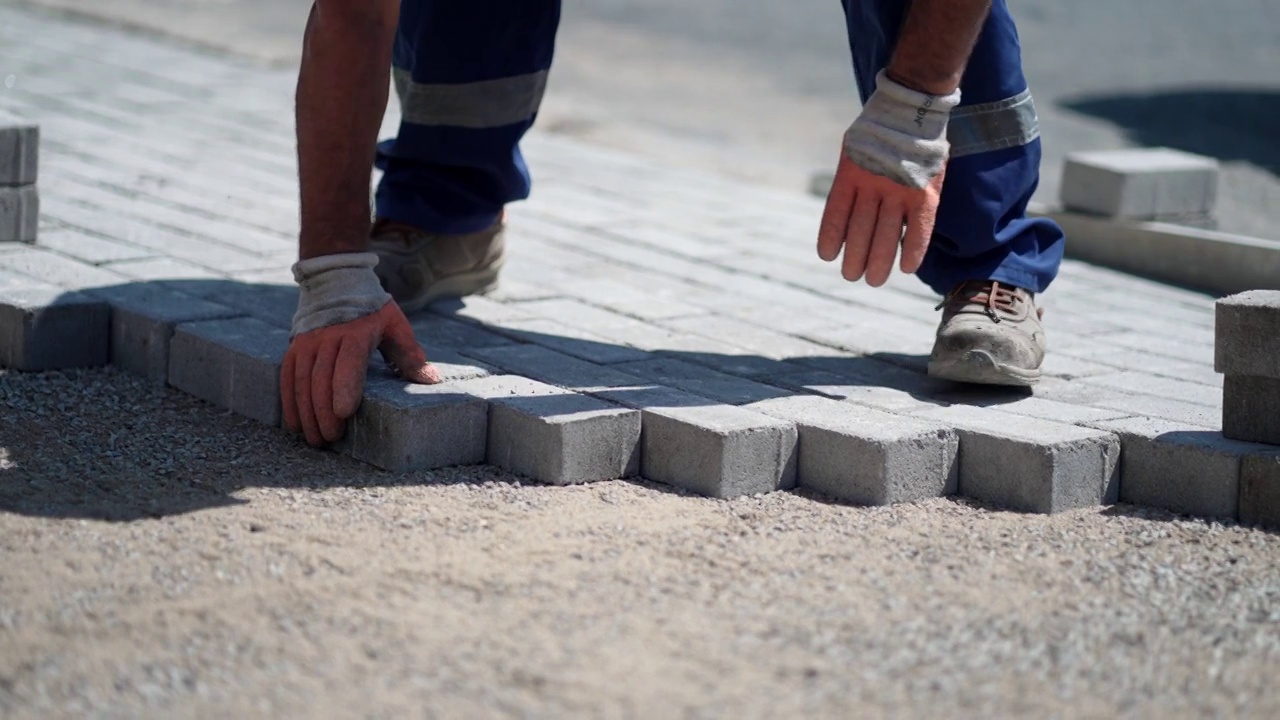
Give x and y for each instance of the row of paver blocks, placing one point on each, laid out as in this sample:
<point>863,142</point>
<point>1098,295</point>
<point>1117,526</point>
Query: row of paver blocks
<point>524,407</point>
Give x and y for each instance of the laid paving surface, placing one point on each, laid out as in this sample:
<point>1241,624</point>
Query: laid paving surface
<point>652,311</point>
<point>164,556</point>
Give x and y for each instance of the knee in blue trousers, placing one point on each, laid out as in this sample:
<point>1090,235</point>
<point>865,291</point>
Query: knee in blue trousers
<point>470,77</point>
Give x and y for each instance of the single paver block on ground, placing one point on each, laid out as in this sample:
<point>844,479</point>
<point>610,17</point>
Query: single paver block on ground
<point>404,427</point>
<point>1251,409</point>
<point>143,317</point>
<point>1145,183</point>
<point>867,456</point>
<point>554,435</point>
<point>1260,489</point>
<point>19,154</point>
<point>1029,464</point>
<point>1247,334</point>
<point>1178,468</point>
<point>47,328</point>
<point>233,363</point>
<point>712,449</point>
<point>19,213</point>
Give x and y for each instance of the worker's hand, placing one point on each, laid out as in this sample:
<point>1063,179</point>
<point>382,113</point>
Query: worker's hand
<point>343,314</point>
<point>889,178</point>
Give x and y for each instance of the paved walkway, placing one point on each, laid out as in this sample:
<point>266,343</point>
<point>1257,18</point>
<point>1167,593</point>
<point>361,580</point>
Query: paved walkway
<point>167,170</point>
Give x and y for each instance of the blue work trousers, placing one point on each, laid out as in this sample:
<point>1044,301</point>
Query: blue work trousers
<point>470,77</point>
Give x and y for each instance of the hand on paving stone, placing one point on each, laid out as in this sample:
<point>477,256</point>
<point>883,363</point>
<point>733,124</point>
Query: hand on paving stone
<point>343,314</point>
<point>889,177</point>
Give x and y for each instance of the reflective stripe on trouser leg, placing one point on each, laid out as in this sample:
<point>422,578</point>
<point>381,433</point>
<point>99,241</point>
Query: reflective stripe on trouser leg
<point>470,77</point>
<point>982,229</point>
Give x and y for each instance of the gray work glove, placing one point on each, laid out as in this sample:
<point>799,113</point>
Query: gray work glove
<point>901,133</point>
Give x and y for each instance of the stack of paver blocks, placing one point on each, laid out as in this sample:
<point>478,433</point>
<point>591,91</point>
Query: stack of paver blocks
<point>1247,353</point>
<point>19,199</point>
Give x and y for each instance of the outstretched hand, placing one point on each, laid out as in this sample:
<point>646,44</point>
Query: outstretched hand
<point>322,378</point>
<point>866,213</point>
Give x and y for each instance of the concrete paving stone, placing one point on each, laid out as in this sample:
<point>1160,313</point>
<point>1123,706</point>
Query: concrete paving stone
<point>180,190</point>
<point>54,269</point>
<point>479,309</point>
<point>406,427</point>
<point>19,152</point>
<point>1097,396</point>
<point>901,341</point>
<point>553,368</point>
<point>867,456</point>
<point>1032,465</point>
<point>616,328</point>
<point>439,332</point>
<point>641,298</point>
<point>232,363</point>
<point>1251,409</point>
<point>1139,183</point>
<point>573,341</point>
<point>1018,402</point>
<point>826,315</point>
<point>711,449</point>
<point>889,399</point>
<point>48,328</point>
<point>702,381</point>
<point>199,224</point>
<point>162,268</point>
<point>749,336</point>
<point>873,382</point>
<point>1148,384</point>
<point>1177,467</point>
<point>19,213</point>
<point>275,305</point>
<point>1260,490</point>
<point>103,223</point>
<point>1060,365</point>
<point>1247,338</point>
<point>87,248</point>
<point>660,236</point>
<point>1167,346</point>
<point>510,290</point>
<point>554,435</point>
<point>143,318</point>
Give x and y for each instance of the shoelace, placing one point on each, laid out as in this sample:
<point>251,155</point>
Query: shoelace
<point>991,294</point>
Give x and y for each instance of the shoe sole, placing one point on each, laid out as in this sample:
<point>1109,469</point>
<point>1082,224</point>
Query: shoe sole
<point>981,368</point>
<point>478,282</point>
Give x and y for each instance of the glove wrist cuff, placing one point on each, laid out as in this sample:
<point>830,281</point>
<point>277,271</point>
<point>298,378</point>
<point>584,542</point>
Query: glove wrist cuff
<point>901,133</point>
<point>336,289</point>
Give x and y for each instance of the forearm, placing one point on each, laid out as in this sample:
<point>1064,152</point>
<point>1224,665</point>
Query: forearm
<point>935,43</point>
<point>341,98</point>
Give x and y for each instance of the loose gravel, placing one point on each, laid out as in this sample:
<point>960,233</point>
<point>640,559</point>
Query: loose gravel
<point>159,558</point>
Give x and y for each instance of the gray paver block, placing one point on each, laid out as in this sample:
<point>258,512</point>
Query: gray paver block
<point>47,328</point>
<point>1029,464</point>
<point>572,341</point>
<point>232,363</point>
<point>54,269</point>
<point>702,381</point>
<point>712,449</point>
<point>19,213</point>
<point>1141,183</point>
<point>1247,334</point>
<point>90,249</point>
<point>435,331</point>
<point>405,427</point>
<point>1178,468</point>
<point>553,368</point>
<point>19,154</point>
<point>1260,490</point>
<point>867,456</point>
<point>1251,409</point>
<point>143,317</point>
<point>554,435</point>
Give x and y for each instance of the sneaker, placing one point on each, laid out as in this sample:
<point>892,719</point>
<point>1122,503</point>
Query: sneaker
<point>418,267</point>
<point>990,334</point>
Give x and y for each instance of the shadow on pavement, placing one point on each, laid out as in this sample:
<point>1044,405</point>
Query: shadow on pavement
<point>1228,124</point>
<point>107,480</point>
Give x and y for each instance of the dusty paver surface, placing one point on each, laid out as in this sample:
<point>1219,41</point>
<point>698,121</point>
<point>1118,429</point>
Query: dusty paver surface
<point>163,559</point>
